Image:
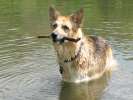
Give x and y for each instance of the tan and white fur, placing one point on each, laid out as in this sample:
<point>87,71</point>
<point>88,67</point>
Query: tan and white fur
<point>95,56</point>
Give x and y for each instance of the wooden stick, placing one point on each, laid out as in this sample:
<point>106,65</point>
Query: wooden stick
<point>72,39</point>
<point>43,37</point>
<point>65,38</point>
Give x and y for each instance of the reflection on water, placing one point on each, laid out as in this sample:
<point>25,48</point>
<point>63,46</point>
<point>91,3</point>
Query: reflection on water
<point>85,91</point>
<point>28,67</point>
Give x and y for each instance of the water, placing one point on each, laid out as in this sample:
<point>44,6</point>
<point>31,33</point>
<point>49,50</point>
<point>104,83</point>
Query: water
<point>28,67</point>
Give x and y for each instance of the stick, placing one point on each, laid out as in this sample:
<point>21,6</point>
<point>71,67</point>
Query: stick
<point>65,38</point>
<point>72,39</point>
<point>43,37</point>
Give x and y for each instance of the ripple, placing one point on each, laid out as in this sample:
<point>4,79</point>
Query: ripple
<point>129,58</point>
<point>12,29</point>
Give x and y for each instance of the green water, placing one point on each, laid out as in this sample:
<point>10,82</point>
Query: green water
<point>28,67</point>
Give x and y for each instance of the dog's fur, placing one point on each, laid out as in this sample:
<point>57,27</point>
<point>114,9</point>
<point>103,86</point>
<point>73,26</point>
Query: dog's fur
<point>95,56</point>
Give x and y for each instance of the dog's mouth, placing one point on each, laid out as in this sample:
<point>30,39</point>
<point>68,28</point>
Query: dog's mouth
<point>63,39</point>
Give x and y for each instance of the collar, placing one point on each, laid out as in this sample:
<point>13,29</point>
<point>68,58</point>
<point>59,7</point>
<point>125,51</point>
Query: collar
<point>76,56</point>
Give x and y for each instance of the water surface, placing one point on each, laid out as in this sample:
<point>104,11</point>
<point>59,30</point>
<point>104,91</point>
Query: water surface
<point>28,67</point>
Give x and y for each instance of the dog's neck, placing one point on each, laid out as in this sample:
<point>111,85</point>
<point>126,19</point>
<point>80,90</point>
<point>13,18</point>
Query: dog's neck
<point>71,50</point>
<point>75,55</point>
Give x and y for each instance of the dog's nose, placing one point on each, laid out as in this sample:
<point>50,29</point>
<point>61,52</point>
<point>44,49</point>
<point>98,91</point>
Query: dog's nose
<point>54,37</point>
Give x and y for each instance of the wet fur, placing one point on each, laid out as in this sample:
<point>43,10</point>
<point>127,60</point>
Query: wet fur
<point>96,54</point>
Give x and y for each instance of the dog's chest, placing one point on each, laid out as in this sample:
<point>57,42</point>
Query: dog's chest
<point>69,70</point>
<point>72,73</point>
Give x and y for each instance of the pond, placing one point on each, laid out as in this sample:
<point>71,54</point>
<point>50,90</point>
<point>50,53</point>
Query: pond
<point>28,67</point>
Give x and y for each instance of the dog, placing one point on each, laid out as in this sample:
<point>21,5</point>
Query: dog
<point>81,58</point>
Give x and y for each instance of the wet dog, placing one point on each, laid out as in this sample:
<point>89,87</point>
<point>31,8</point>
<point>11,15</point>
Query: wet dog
<point>80,58</point>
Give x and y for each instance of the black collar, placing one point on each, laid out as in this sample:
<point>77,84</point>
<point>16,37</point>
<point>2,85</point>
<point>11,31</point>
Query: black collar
<point>77,55</point>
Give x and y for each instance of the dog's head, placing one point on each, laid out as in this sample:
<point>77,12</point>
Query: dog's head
<point>65,26</point>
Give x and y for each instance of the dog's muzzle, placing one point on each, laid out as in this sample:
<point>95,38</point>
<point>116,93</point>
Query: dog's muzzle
<point>56,39</point>
<point>62,39</point>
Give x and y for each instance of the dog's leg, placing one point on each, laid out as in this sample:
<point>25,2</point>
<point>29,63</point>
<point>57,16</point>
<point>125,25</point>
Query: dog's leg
<point>61,69</point>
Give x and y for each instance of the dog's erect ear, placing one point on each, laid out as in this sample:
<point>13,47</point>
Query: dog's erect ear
<point>77,17</point>
<point>53,13</point>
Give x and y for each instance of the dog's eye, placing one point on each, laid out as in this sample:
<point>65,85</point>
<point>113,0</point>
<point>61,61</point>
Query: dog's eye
<point>54,26</point>
<point>65,28</point>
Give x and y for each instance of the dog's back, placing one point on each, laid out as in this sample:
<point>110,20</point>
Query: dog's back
<point>102,56</point>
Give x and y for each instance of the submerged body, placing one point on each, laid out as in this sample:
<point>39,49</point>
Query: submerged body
<point>80,58</point>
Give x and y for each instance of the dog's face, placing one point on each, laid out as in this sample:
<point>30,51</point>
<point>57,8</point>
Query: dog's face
<point>65,26</point>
